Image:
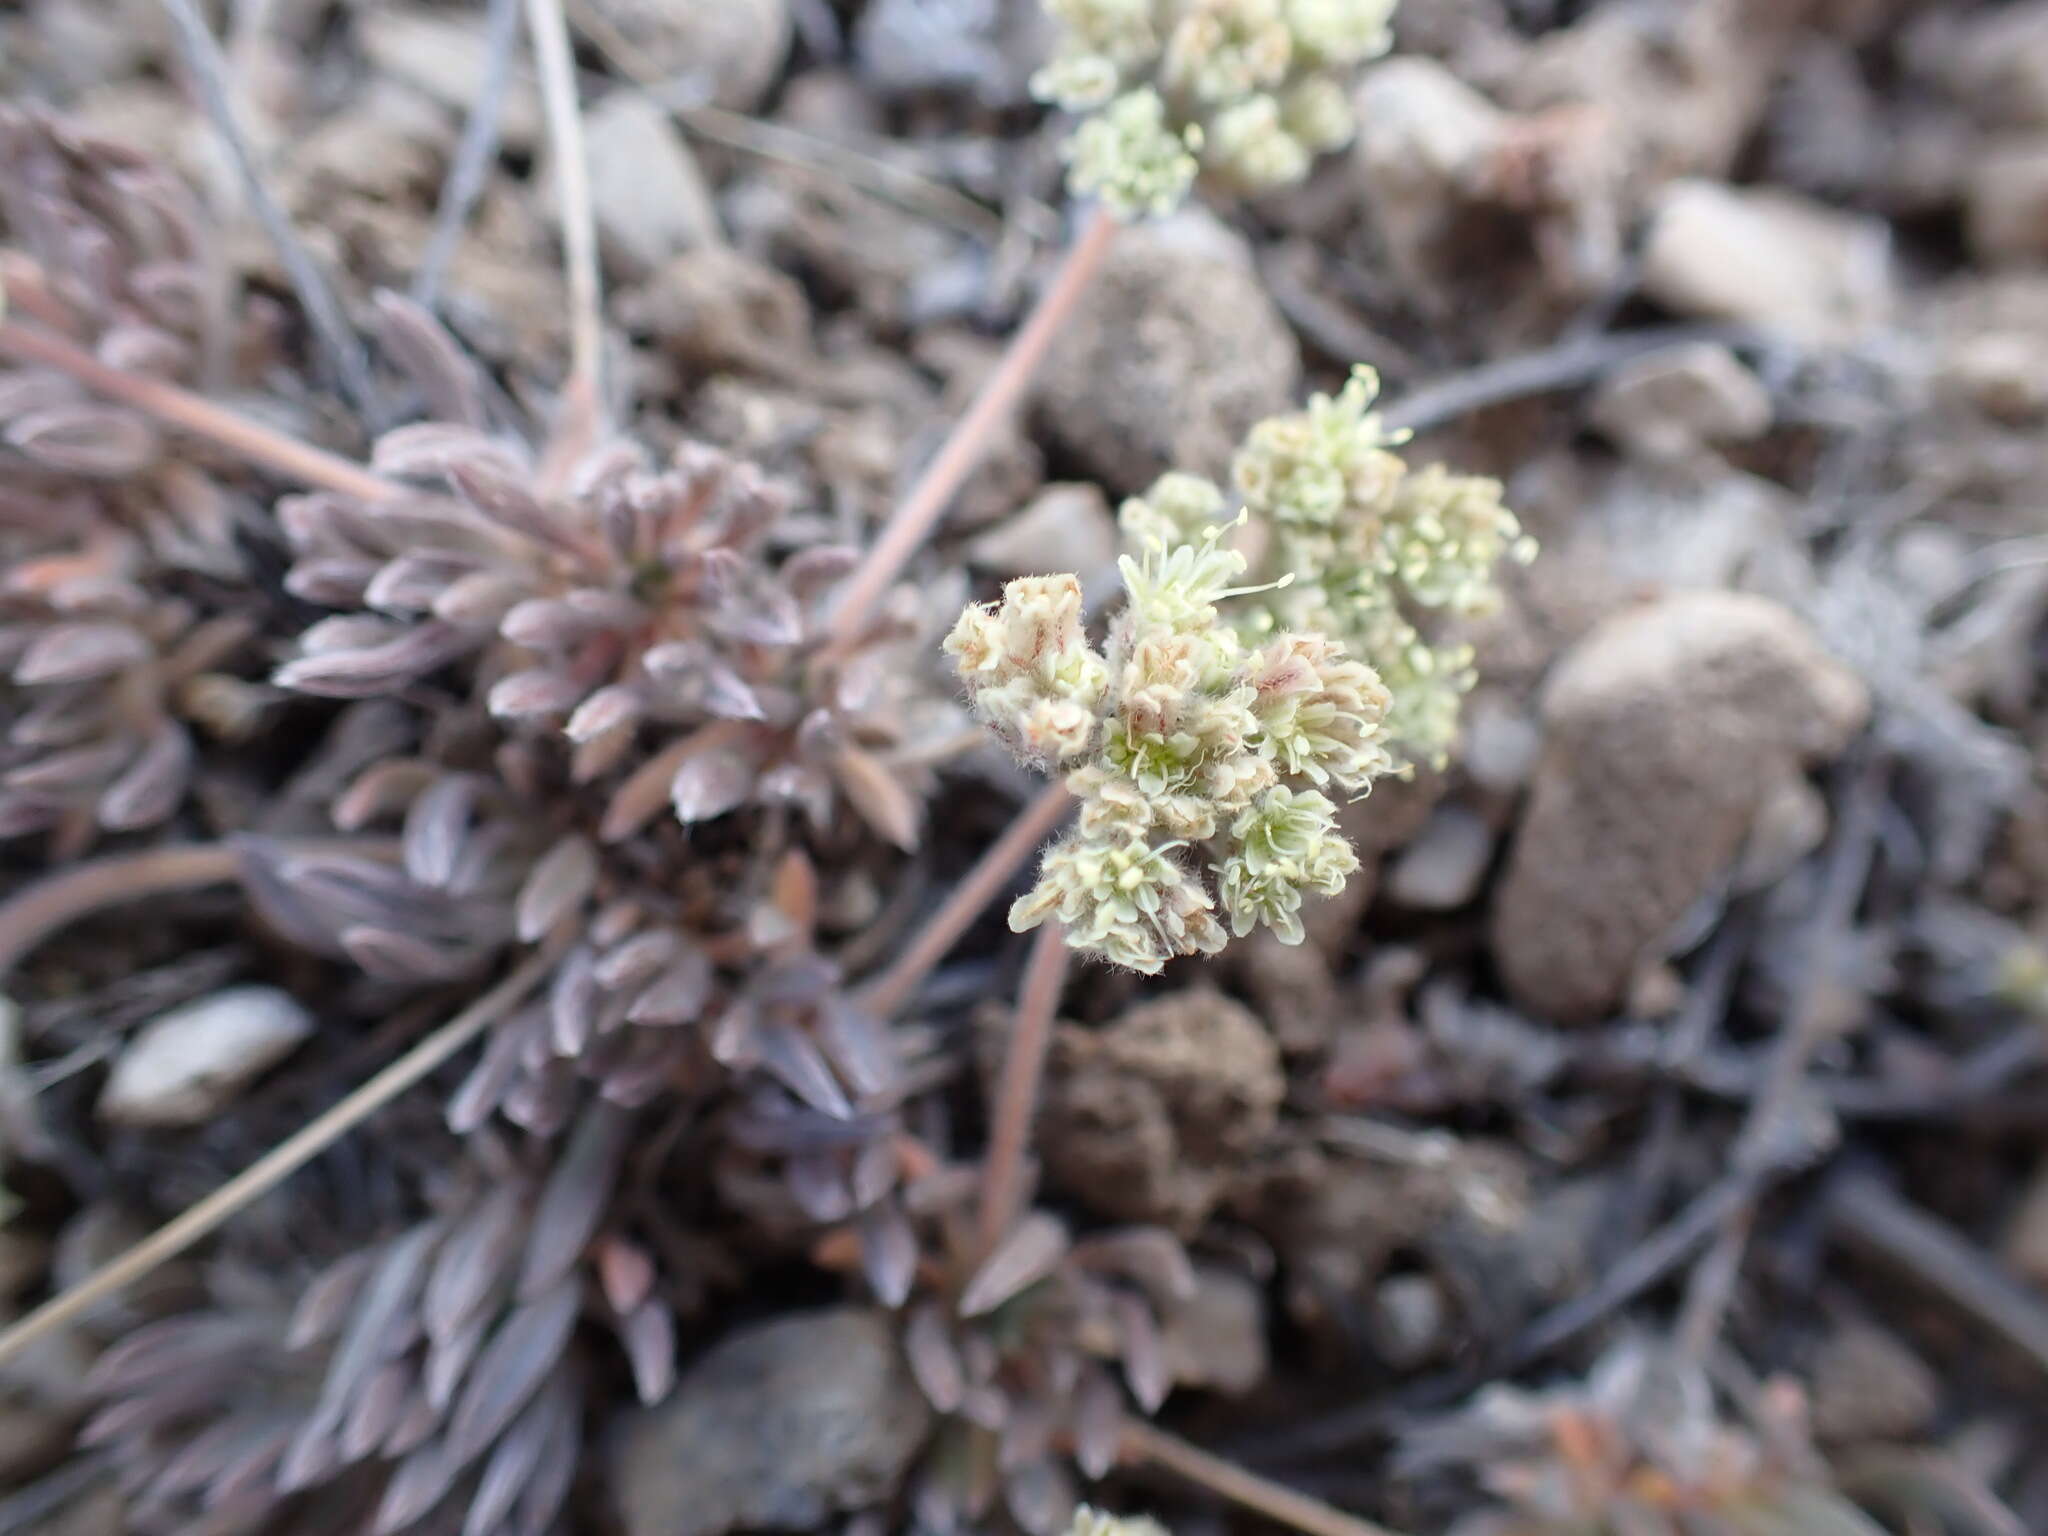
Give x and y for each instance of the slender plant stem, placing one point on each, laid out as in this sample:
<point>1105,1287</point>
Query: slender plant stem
<point>963,449</point>
<point>1002,1174</point>
<point>888,992</point>
<point>287,455</point>
<point>1145,1442</point>
<point>630,63</point>
<point>472,158</point>
<point>1566,365</point>
<point>347,358</point>
<point>839,161</point>
<point>1643,1266</point>
<point>1870,1214</point>
<point>57,900</point>
<point>583,393</point>
<point>283,1160</point>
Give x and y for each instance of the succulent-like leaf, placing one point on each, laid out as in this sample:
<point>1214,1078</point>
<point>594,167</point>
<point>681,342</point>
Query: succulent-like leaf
<point>1030,1251</point>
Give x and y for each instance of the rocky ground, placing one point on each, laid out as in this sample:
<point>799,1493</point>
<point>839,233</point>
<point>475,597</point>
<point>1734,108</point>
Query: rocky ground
<point>1697,1009</point>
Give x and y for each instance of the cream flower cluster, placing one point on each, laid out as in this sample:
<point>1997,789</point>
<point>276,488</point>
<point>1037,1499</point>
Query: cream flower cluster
<point>1247,91</point>
<point>1371,545</point>
<point>1178,740</point>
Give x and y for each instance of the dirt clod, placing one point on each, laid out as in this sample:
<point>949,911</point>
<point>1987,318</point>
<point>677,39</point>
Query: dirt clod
<point>1867,1385</point>
<point>1148,1119</point>
<point>1666,730</point>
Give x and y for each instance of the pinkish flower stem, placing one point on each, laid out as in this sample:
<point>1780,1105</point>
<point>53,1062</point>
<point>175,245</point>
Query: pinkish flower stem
<point>888,992</point>
<point>52,903</point>
<point>1009,1138</point>
<point>288,456</point>
<point>31,916</point>
<point>911,522</point>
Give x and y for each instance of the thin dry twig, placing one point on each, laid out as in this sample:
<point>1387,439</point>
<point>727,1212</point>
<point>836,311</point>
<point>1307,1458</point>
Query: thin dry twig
<point>618,51</point>
<point>1646,1264</point>
<point>1764,1131</point>
<point>259,444</point>
<point>31,1508</point>
<point>1009,1137</point>
<point>1564,366</point>
<point>583,393</point>
<point>1642,1267</point>
<point>1866,1212</point>
<point>472,159</point>
<point>894,184</point>
<point>1145,1442</point>
<point>914,516</point>
<point>277,1165</point>
<point>888,992</point>
<point>782,143</point>
<point>347,359</point>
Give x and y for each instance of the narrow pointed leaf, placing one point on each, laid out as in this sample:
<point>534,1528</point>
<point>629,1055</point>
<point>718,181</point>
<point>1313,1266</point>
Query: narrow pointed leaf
<point>526,1347</point>
<point>1031,1251</point>
<point>575,1198</point>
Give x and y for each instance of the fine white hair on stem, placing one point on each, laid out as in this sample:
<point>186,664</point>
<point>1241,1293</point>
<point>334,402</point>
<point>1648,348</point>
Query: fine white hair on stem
<point>346,356</point>
<point>583,393</point>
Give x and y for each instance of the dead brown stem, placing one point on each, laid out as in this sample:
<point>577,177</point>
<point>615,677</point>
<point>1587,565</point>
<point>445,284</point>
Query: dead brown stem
<point>981,884</point>
<point>914,516</point>
<point>583,391</point>
<point>1147,1442</point>
<point>1760,1144</point>
<point>1009,1137</point>
<point>277,1165</point>
<point>289,457</point>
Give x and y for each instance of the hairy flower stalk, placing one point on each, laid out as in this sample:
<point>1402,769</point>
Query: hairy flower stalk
<point>1243,92</point>
<point>1176,740</point>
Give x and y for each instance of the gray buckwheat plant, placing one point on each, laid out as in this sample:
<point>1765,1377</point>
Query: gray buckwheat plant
<point>1201,740</point>
<point>1244,92</point>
